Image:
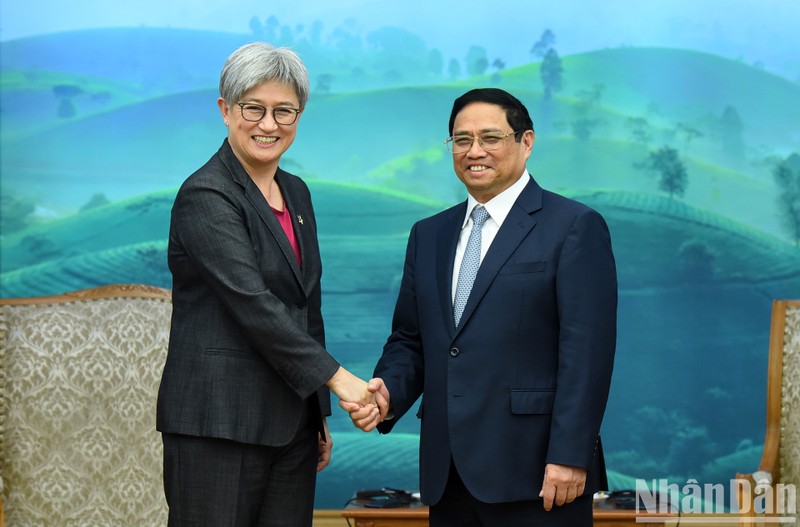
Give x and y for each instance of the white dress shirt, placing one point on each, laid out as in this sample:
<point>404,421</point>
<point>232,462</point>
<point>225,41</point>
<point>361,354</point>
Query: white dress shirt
<point>498,208</point>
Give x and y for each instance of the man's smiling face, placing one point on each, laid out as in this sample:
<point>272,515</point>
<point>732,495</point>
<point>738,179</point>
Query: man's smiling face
<point>487,174</point>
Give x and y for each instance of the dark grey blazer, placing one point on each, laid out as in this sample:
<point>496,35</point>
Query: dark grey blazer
<point>246,348</point>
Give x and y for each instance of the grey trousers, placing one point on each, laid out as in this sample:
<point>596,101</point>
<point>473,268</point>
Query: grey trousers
<point>220,483</point>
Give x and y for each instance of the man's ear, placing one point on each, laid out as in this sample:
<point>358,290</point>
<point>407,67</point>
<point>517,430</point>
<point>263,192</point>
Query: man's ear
<point>528,137</point>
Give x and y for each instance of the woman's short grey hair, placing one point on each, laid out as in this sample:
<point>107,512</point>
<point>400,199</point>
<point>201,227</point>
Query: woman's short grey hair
<point>256,63</point>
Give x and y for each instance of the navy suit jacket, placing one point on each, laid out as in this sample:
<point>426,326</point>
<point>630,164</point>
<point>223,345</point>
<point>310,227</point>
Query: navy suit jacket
<point>246,353</point>
<point>523,380</point>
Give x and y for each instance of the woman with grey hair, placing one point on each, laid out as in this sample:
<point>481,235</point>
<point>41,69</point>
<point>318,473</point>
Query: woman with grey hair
<point>245,387</point>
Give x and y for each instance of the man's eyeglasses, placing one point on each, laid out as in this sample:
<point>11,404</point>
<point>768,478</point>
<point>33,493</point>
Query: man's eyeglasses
<point>458,144</point>
<point>255,112</point>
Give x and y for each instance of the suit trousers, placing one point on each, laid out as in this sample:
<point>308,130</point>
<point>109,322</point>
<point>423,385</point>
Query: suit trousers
<point>222,483</point>
<point>458,508</point>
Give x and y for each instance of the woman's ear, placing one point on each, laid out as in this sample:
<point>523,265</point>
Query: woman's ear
<point>224,110</point>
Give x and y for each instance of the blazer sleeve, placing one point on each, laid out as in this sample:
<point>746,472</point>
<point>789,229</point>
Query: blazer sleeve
<point>211,226</point>
<point>586,289</point>
<point>401,365</point>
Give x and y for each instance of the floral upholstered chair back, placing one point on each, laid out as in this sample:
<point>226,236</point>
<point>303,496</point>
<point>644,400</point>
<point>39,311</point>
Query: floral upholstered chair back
<point>790,398</point>
<point>779,469</point>
<point>79,375</point>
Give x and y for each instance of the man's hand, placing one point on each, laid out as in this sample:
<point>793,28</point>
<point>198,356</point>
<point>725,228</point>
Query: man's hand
<point>325,447</point>
<point>562,484</point>
<point>365,417</point>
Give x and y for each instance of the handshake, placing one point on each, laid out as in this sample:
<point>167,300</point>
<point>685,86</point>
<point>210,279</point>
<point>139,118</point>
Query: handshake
<point>367,403</point>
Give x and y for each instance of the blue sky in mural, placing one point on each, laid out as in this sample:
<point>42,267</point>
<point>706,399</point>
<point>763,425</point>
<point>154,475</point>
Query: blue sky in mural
<point>763,32</point>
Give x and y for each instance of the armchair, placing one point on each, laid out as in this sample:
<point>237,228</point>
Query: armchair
<point>78,379</point>
<point>780,461</point>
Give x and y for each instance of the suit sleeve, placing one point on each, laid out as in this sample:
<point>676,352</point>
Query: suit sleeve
<point>316,326</point>
<point>212,230</point>
<point>586,289</point>
<point>316,330</point>
<point>402,366</point>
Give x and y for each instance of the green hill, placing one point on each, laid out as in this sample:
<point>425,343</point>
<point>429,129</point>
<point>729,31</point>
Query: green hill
<point>126,241</point>
<point>382,136</point>
<point>685,85</point>
<point>646,228</point>
<point>663,242</point>
<point>125,223</point>
<point>33,99</point>
<point>345,136</point>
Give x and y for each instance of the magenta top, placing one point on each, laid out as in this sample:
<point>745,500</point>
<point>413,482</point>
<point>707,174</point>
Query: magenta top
<point>285,219</point>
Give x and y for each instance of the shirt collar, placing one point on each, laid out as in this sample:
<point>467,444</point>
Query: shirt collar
<point>499,206</point>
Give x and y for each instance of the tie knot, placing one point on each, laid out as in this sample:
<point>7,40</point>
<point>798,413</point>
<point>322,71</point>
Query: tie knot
<point>479,215</point>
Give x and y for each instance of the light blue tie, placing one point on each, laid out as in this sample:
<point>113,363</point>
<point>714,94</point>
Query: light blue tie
<point>470,263</point>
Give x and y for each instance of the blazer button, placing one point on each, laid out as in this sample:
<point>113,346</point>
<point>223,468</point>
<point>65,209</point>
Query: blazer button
<point>454,352</point>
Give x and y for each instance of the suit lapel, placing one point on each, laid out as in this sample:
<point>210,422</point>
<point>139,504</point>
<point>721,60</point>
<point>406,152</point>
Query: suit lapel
<point>299,215</point>
<point>259,203</point>
<point>256,199</point>
<point>515,228</point>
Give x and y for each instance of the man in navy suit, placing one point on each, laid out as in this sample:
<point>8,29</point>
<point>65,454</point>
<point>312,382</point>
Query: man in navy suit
<point>515,369</point>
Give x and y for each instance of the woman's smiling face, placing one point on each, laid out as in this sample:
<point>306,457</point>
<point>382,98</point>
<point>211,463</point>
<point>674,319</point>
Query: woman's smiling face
<point>259,145</point>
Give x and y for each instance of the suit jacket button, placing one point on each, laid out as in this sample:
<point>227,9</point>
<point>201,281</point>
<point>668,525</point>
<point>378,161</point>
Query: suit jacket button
<point>454,352</point>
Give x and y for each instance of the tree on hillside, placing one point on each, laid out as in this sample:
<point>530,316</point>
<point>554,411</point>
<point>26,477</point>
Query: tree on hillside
<point>316,32</point>
<point>544,44</point>
<point>653,110</point>
<point>97,200</point>
<point>256,28</point>
<point>585,120</point>
<point>454,69</point>
<point>499,65</point>
<point>730,132</point>
<point>688,132</point>
<point>345,37</point>
<point>271,26</point>
<point>696,261</point>
<point>15,213</point>
<point>286,37</point>
<point>358,75</point>
<point>64,93</point>
<point>40,246</point>
<point>324,83</point>
<point>476,60</point>
<point>396,41</point>
<point>672,177</point>
<point>550,72</point>
<point>639,129</point>
<point>398,50</point>
<point>787,176</point>
<point>435,62</point>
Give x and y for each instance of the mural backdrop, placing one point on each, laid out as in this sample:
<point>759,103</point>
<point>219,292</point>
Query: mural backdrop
<point>678,121</point>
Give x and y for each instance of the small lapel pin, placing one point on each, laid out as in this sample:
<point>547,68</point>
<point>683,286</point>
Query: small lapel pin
<point>300,219</point>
